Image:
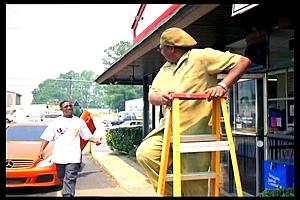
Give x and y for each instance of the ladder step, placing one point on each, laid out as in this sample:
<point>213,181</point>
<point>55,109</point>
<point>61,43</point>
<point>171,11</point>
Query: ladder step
<point>193,176</point>
<point>197,138</point>
<point>204,146</point>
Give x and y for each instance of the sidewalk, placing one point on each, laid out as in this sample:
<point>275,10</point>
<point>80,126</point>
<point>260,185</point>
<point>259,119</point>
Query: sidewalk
<point>126,172</point>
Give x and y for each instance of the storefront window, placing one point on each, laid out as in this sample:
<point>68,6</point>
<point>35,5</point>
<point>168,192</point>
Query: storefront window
<point>245,119</point>
<point>276,119</point>
<point>281,102</point>
<point>281,82</point>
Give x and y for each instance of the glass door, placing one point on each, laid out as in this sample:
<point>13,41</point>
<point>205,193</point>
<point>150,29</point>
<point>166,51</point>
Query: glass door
<point>247,107</point>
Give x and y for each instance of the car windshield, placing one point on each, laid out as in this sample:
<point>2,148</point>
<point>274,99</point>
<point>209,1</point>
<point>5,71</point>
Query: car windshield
<point>24,133</point>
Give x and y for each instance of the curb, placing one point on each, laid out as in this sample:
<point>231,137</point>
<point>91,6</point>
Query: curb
<point>129,178</point>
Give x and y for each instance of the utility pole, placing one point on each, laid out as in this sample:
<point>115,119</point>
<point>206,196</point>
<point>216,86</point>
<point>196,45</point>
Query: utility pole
<point>70,90</point>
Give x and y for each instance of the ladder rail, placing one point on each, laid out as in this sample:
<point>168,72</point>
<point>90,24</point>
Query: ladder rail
<point>165,156</point>
<point>176,149</point>
<point>216,155</point>
<point>232,149</point>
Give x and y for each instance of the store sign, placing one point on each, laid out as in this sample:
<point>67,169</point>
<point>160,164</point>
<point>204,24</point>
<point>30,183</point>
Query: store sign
<point>240,8</point>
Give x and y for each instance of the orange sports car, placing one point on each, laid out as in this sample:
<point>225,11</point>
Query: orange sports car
<point>23,167</point>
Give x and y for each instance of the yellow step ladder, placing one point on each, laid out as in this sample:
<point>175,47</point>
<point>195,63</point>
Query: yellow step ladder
<point>197,143</point>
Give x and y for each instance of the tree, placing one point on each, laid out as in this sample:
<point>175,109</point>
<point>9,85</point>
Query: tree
<point>115,52</point>
<point>78,87</point>
<point>116,95</point>
<point>50,91</point>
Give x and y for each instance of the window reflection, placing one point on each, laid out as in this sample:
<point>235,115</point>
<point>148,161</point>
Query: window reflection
<point>245,107</point>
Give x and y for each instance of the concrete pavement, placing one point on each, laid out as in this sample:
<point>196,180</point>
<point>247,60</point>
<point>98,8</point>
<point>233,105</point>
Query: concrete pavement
<point>93,180</point>
<point>127,173</point>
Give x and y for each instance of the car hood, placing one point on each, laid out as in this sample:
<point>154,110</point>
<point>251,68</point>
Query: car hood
<point>25,150</point>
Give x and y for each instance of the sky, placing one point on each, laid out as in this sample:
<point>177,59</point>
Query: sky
<point>46,40</point>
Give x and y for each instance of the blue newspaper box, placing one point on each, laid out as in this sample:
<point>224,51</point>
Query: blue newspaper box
<point>278,174</point>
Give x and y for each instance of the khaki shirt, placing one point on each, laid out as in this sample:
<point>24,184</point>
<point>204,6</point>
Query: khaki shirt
<point>195,72</point>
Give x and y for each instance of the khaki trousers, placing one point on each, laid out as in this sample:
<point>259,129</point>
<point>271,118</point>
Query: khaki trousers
<point>148,155</point>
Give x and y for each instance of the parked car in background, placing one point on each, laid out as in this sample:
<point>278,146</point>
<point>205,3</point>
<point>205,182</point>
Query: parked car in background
<point>10,115</point>
<point>106,123</point>
<point>16,113</point>
<point>25,113</point>
<point>132,123</point>
<point>23,167</point>
<point>122,117</point>
<point>48,117</point>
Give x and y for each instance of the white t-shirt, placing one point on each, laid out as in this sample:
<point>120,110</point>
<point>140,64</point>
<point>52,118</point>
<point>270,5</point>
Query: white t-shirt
<point>66,133</point>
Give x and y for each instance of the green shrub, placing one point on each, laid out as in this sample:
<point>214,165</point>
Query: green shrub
<point>125,139</point>
<point>282,192</point>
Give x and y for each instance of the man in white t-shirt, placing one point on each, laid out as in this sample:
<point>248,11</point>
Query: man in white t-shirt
<point>66,131</point>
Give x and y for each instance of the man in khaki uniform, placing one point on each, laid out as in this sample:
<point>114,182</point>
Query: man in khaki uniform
<point>187,70</point>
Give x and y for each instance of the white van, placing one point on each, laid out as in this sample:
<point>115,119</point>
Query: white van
<point>29,113</point>
<point>14,113</point>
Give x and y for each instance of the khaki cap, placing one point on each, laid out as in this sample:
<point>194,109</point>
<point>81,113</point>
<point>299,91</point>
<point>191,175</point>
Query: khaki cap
<point>177,37</point>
